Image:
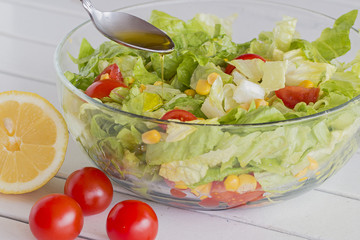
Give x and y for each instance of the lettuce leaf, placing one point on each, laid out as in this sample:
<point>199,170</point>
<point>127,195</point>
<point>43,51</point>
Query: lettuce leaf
<point>335,42</point>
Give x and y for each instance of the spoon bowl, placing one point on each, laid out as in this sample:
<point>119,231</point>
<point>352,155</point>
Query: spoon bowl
<point>129,30</point>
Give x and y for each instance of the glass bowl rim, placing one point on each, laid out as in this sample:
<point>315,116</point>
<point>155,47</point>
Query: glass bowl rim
<point>99,104</point>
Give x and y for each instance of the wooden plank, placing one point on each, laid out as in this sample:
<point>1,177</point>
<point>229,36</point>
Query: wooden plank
<point>345,181</point>
<point>174,223</point>
<point>27,59</point>
<point>315,215</point>
<point>44,26</point>
<point>14,230</point>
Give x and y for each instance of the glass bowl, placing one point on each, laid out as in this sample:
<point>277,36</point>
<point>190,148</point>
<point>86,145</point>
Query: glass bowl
<point>293,155</point>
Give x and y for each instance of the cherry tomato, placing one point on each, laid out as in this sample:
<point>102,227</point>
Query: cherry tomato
<point>56,216</point>
<point>102,88</point>
<point>291,95</point>
<point>179,114</point>
<point>247,56</point>
<point>91,188</point>
<point>113,71</point>
<point>132,220</point>
<point>219,193</point>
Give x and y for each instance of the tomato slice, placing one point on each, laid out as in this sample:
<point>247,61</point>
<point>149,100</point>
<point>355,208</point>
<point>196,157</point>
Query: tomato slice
<point>209,203</point>
<point>233,199</point>
<point>179,114</point>
<point>113,71</point>
<point>247,56</point>
<point>291,95</point>
<point>102,88</point>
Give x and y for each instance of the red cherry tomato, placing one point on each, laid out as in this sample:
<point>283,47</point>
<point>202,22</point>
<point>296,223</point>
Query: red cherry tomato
<point>113,71</point>
<point>219,193</point>
<point>102,88</point>
<point>247,56</point>
<point>132,220</point>
<point>179,114</point>
<point>291,95</point>
<point>56,216</point>
<point>91,188</point>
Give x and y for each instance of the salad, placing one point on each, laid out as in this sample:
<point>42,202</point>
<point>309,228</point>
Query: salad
<point>209,90</point>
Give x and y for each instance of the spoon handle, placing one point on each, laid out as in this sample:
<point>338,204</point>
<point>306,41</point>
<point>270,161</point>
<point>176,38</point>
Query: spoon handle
<point>88,6</point>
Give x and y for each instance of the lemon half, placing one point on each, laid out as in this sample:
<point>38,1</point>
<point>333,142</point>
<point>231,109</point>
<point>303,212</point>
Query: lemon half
<point>33,141</point>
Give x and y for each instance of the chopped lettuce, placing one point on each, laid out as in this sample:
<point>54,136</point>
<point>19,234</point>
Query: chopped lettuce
<point>194,152</point>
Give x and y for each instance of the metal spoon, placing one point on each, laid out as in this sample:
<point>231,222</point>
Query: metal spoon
<point>129,30</point>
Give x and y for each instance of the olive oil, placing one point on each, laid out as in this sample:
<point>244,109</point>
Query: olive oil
<point>162,57</point>
<point>146,40</point>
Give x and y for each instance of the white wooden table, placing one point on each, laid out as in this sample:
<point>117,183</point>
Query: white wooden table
<point>29,33</point>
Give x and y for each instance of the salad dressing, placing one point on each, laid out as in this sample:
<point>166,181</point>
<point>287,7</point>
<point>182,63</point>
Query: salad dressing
<point>145,40</point>
<point>162,58</point>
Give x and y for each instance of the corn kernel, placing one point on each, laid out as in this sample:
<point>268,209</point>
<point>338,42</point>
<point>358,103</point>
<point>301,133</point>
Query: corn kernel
<point>158,83</point>
<point>245,106</point>
<point>142,87</point>
<point>247,183</point>
<point>104,76</point>
<point>302,179</point>
<point>313,164</point>
<point>180,185</point>
<point>260,102</point>
<point>203,87</point>
<point>301,173</point>
<point>190,92</point>
<point>203,197</point>
<point>204,189</point>
<point>151,137</point>
<point>131,80</point>
<point>197,194</point>
<point>232,183</point>
<point>306,84</point>
<point>212,77</point>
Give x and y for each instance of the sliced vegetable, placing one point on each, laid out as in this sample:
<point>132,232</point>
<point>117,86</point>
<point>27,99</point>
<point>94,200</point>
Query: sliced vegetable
<point>292,95</point>
<point>247,56</point>
<point>103,88</point>
<point>179,114</point>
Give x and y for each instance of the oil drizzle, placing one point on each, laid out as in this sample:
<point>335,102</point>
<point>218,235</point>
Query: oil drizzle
<point>162,58</point>
<point>145,40</point>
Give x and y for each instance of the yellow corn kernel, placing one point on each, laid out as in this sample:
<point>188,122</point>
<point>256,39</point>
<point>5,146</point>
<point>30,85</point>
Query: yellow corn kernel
<point>301,173</point>
<point>247,183</point>
<point>197,194</point>
<point>203,189</point>
<point>142,87</point>
<point>212,77</point>
<point>318,173</point>
<point>306,84</point>
<point>131,80</point>
<point>203,87</point>
<point>302,179</point>
<point>151,137</point>
<point>232,183</point>
<point>260,102</point>
<point>190,92</point>
<point>158,83</point>
<point>313,164</point>
<point>203,197</point>
<point>180,185</point>
<point>104,76</point>
<point>245,106</point>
